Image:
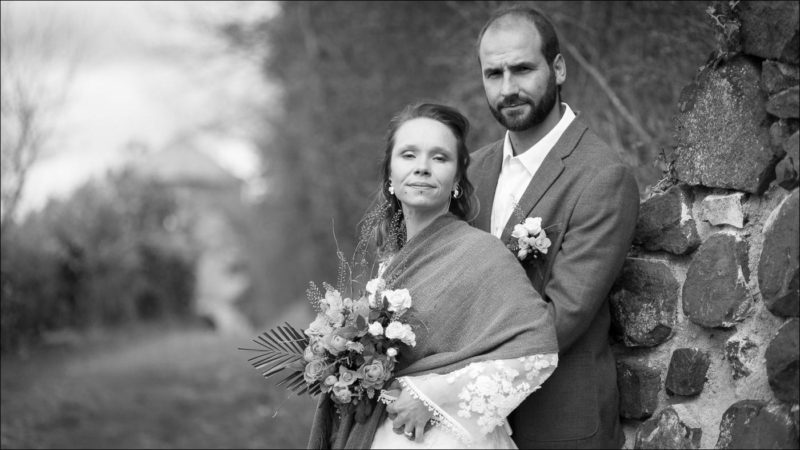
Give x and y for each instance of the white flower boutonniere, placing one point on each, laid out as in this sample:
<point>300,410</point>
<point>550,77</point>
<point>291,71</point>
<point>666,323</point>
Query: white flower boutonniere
<point>529,240</point>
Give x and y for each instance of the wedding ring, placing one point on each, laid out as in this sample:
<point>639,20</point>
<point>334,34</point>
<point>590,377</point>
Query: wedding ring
<point>409,434</point>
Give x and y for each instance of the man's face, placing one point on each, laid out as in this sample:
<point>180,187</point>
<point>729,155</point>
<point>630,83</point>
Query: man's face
<point>520,86</point>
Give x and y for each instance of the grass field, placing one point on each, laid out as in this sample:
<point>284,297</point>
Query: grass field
<point>147,387</point>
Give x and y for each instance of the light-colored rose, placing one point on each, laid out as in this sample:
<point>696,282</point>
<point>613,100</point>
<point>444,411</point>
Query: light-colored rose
<point>341,393</point>
<point>402,332</point>
<point>523,253</point>
<point>347,376</point>
<point>316,346</point>
<point>315,371</point>
<point>347,303</point>
<point>374,374</point>
<point>391,352</point>
<point>519,231</point>
<point>541,243</point>
<point>333,307</point>
<point>308,355</point>
<point>319,327</point>
<point>328,383</point>
<point>335,316</point>
<point>525,244</point>
<point>333,298</point>
<point>334,343</point>
<point>399,300</point>
<point>375,329</point>
<point>533,225</point>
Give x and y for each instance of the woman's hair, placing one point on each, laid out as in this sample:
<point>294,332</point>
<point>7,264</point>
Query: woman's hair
<point>391,234</point>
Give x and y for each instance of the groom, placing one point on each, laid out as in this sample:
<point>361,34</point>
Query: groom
<point>551,165</point>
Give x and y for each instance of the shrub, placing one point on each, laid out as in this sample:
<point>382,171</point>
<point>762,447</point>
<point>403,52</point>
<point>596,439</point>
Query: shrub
<point>108,254</point>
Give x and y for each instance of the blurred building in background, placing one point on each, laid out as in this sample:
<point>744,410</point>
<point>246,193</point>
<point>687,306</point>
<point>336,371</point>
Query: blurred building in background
<point>208,196</point>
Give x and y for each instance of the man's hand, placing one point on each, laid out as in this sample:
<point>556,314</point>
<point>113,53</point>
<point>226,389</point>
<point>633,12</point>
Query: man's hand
<point>409,416</point>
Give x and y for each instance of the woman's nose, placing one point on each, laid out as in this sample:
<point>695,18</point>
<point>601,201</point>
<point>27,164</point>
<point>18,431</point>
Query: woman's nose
<point>422,169</point>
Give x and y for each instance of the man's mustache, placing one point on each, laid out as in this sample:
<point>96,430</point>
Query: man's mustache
<point>511,100</point>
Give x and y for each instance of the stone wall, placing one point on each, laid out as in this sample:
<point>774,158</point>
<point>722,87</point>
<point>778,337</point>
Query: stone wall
<point>705,313</point>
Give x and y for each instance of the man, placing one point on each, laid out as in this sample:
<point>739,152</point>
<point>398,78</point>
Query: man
<point>550,165</point>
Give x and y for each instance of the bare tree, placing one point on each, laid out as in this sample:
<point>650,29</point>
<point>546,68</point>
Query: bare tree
<point>39,59</point>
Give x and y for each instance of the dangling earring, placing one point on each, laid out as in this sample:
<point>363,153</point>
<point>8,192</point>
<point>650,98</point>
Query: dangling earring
<point>390,189</point>
<point>456,192</point>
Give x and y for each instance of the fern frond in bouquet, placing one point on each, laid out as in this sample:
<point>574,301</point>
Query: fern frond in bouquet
<point>282,349</point>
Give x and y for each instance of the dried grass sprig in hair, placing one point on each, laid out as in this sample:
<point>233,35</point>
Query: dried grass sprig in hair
<point>397,232</point>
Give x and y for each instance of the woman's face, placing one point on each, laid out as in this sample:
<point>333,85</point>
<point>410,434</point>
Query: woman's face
<point>423,166</point>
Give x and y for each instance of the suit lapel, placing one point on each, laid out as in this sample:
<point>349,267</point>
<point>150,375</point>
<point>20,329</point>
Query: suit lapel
<point>488,171</point>
<point>548,172</point>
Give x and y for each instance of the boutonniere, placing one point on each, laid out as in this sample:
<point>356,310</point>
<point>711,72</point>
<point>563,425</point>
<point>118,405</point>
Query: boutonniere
<point>528,239</point>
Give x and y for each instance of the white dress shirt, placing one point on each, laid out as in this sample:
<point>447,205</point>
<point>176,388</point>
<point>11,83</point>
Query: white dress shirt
<point>517,171</point>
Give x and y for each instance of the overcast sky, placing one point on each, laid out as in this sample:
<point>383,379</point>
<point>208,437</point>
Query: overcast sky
<point>147,73</point>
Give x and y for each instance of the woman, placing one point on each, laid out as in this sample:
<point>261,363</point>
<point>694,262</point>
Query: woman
<point>485,339</point>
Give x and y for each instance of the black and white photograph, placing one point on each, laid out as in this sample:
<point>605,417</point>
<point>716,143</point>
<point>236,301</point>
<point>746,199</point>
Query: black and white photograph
<point>400,224</point>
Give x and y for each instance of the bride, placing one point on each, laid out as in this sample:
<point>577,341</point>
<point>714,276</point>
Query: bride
<point>485,338</point>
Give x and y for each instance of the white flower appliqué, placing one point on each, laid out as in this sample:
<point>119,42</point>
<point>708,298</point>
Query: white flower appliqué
<point>493,394</point>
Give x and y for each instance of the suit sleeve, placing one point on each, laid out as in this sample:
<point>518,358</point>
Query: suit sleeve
<point>598,237</point>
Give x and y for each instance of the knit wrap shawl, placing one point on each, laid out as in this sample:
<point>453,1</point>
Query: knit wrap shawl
<point>471,301</point>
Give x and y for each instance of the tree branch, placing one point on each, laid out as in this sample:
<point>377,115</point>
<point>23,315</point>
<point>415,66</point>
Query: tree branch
<point>606,87</point>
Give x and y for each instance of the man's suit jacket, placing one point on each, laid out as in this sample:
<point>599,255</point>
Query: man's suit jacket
<point>588,201</point>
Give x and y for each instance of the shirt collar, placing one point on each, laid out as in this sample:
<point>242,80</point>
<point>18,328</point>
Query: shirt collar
<point>534,156</point>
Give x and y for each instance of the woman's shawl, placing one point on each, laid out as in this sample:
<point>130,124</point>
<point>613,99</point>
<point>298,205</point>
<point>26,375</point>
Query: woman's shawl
<point>471,301</point>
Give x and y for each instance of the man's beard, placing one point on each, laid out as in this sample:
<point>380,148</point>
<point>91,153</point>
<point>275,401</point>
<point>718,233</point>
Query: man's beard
<point>538,111</point>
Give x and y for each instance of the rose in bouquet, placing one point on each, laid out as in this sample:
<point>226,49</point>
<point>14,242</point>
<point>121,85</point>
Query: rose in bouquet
<point>349,350</point>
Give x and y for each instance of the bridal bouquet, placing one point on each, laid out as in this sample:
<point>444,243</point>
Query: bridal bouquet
<point>349,350</point>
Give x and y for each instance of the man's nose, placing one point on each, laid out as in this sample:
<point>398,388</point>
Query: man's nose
<point>509,86</point>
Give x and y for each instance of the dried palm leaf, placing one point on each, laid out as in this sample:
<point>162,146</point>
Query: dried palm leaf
<point>281,349</point>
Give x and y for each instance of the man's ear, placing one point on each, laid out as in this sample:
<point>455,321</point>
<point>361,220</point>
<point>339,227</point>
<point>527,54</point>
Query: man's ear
<point>560,68</point>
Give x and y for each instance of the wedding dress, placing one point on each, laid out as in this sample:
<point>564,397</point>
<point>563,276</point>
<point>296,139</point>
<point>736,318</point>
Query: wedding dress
<point>470,405</point>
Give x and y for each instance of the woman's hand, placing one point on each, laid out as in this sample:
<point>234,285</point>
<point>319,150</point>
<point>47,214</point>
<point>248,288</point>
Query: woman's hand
<point>409,416</point>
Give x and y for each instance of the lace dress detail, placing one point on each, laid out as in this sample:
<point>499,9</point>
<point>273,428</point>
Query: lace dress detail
<point>440,417</point>
<point>472,403</point>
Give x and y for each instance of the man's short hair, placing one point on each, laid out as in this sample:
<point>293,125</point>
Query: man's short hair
<point>543,25</point>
